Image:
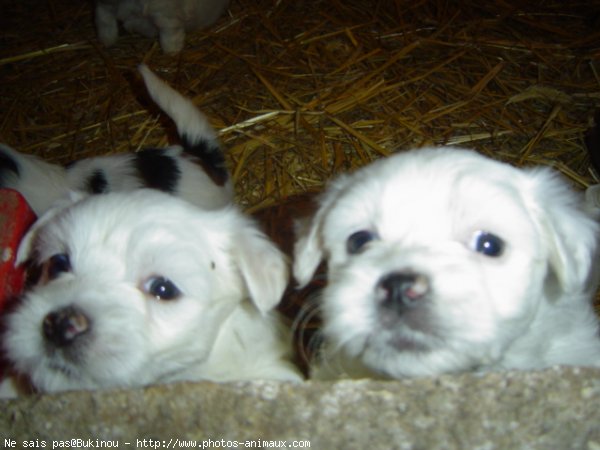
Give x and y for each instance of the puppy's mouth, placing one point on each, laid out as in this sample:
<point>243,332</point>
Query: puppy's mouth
<point>403,343</point>
<point>64,368</point>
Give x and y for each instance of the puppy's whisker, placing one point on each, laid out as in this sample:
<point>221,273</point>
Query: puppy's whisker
<point>331,359</point>
<point>308,311</point>
<point>305,328</point>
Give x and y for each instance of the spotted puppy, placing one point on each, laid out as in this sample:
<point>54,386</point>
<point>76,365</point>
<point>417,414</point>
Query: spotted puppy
<point>194,170</point>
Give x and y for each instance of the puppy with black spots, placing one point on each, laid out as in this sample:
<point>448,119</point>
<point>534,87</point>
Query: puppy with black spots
<point>194,170</point>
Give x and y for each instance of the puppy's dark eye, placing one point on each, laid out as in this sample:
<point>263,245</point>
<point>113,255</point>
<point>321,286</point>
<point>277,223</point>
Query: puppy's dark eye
<point>58,264</point>
<point>162,288</point>
<point>487,244</point>
<point>357,241</point>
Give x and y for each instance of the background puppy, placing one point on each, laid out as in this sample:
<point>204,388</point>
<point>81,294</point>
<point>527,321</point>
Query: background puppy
<point>194,170</point>
<point>441,260</point>
<point>168,18</point>
<point>142,287</point>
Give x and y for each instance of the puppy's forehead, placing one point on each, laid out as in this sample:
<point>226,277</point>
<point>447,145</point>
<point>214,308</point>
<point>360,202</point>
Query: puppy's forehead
<point>115,222</point>
<point>428,188</point>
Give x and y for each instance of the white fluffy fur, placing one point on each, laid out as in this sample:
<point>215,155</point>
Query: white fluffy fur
<point>221,328</point>
<point>169,19</point>
<point>528,308</point>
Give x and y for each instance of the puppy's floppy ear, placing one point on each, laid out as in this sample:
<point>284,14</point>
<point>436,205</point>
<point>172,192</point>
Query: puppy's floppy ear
<point>308,248</point>
<point>568,230</point>
<point>27,242</point>
<point>262,265</point>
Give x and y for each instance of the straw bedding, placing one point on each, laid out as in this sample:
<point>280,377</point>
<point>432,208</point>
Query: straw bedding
<point>302,90</point>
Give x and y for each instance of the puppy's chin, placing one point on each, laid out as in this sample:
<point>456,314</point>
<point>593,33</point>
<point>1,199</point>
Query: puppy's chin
<point>58,376</point>
<point>394,352</point>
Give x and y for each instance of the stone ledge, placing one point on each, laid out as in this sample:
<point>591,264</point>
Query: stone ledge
<point>552,409</point>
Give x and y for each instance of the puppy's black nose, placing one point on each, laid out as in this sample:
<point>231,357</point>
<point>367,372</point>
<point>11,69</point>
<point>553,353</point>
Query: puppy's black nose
<point>402,289</point>
<point>63,326</point>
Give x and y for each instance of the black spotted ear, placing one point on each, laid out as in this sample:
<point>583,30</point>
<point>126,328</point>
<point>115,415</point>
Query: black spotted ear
<point>308,250</point>
<point>27,246</point>
<point>568,230</point>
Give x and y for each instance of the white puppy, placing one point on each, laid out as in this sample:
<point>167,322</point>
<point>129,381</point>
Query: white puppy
<point>142,287</point>
<point>194,170</point>
<point>168,18</point>
<point>441,260</point>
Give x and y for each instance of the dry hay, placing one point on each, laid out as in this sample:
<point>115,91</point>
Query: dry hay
<point>302,90</point>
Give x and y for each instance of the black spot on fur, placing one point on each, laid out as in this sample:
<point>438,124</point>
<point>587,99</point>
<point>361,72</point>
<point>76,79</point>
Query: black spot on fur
<point>7,164</point>
<point>209,155</point>
<point>157,170</point>
<point>97,183</point>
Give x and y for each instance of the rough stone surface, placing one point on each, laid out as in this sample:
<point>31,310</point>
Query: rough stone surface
<point>552,409</point>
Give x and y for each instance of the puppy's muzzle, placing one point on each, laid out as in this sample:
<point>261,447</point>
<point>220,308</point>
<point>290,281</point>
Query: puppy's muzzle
<point>64,326</point>
<point>399,291</point>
